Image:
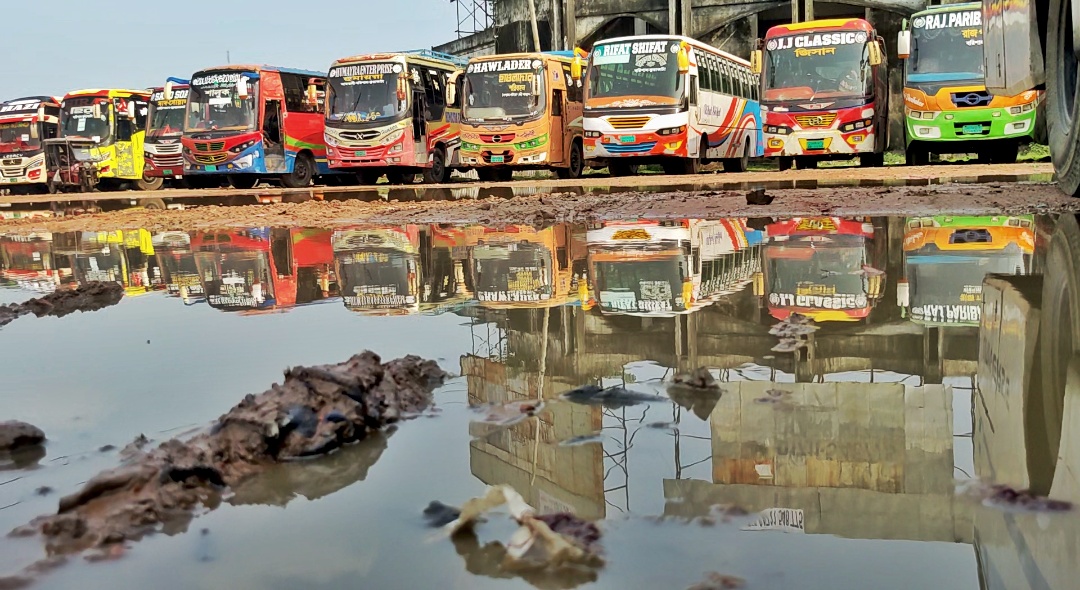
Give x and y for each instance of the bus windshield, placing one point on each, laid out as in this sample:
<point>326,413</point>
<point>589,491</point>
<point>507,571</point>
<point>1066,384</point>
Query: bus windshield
<point>950,278</point>
<point>365,92</point>
<point>643,73</point>
<point>214,104</point>
<point>946,46</point>
<point>503,94</point>
<point>79,119</point>
<point>167,116</point>
<point>641,285</point>
<point>810,66</point>
<point>236,279</point>
<point>16,137</point>
<point>816,271</point>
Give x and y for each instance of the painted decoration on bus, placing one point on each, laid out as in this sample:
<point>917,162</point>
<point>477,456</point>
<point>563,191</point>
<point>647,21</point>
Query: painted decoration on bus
<point>968,19</point>
<point>27,106</point>
<point>366,92</point>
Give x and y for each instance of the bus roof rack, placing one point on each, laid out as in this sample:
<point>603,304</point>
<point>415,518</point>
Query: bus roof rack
<point>454,59</point>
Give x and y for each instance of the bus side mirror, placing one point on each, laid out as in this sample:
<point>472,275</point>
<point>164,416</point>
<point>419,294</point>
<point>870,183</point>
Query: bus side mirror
<point>875,53</point>
<point>451,88</point>
<point>168,90</point>
<point>755,61</point>
<point>242,87</point>
<point>33,132</point>
<point>575,69</point>
<point>903,44</point>
<point>684,59</point>
<point>312,97</point>
<point>97,110</point>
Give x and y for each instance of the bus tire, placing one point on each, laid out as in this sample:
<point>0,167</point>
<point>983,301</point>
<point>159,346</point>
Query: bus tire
<point>302,174</point>
<point>243,182</point>
<point>621,168</point>
<point>1062,116</point>
<point>577,162</point>
<point>916,155</point>
<point>437,172</point>
<point>149,184</point>
<point>739,164</point>
<point>156,204</point>
<point>399,177</point>
<point>1059,332</point>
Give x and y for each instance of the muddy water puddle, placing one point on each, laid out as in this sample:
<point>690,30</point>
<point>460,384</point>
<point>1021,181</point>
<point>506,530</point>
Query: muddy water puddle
<point>864,367</point>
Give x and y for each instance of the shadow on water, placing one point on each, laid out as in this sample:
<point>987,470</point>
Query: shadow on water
<point>928,362</point>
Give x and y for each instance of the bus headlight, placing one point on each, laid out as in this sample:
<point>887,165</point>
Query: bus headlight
<point>393,136</point>
<point>532,143</point>
<point>469,147</point>
<point>923,115</point>
<point>330,140</point>
<point>1024,108</point>
<point>854,125</point>
<point>672,131</point>
<point>777,130</point>
<point>592,134</point>
<point>240,148</point>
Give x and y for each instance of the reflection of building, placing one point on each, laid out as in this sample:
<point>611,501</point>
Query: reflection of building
<point>858,460</point>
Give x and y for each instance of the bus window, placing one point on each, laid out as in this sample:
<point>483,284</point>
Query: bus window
<point>435,95</point>
<point>556,103</point>
<point>707,75</point>
<point>295,92</point>
<point>459,85</point>
<point>693,91</point>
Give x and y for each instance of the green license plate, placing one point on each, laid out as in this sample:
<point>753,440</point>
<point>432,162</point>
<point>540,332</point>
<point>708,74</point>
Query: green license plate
<point>167,172</point>
<point>627,138</point>
<point>815,144</point>
<point>361,153</point>
<point>211,168</point>
<point>497,159</point>
<point>973,129</point>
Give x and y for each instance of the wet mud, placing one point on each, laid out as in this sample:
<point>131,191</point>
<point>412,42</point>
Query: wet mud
<point>16,435</point>
<point>92,296</point>
<point>315,411</point>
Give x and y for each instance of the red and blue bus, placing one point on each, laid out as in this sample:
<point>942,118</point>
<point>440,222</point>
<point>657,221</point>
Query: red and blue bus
<point>247,122</point>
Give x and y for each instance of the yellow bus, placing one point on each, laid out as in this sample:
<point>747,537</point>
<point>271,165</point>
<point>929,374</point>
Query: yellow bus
<point>522,111</point>
<point>518,266</point>
<point>101,142</point>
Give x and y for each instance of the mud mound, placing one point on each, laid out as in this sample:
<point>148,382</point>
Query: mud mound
<point>315,411</point>
<point>92,296</point>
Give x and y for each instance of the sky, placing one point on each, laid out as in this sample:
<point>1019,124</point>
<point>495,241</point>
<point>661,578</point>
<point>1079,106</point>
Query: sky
<point>140,44</point>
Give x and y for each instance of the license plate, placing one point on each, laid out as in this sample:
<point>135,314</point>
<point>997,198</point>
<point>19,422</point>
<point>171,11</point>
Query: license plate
<point>167,172</point>
<point>627,138</point>
<point>211,168</point>
<point>815,144</point>
<point>361,153</point>
<point>497,159</point>
<point>973,128</point>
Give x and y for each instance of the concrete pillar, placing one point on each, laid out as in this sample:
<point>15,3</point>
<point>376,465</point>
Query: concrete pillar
<point>686,26</point>
<point>795,11</point>
<point>673,16</point>
<point>809,9</point>
<point>557,39</point>
<point>888,26</point>
<point>570,23</point>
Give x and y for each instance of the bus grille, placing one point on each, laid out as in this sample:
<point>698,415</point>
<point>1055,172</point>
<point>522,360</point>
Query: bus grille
<point>210,146</point>
<point>630,149</point>
<point>167,148</point>
<point>169,161</point>
<point>971,236</point>
<point>211,159</point>
<point>822,120</point>
<point>628,122</point>
<point>498,137</point>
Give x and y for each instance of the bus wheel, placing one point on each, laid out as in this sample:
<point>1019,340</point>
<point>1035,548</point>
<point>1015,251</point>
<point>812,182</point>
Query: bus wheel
<point>156,204</point>
<point>1062,118</point>
<point>916,155</point>
<point>1059,334</point>
<point>149,184</point>
<point>577,163</point>
<point>243,182</point>
<point>739,164</point>
<point>620,168</point>
<point>401,177</point>
<point>302,174</point>
<point>437,173</point>
<point>872,160</point>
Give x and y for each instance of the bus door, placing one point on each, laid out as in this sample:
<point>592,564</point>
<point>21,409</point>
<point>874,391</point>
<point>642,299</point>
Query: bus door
<point>557,139</point>
<point>124,110</point>
<point>273,136</point>
<point>419,119</point>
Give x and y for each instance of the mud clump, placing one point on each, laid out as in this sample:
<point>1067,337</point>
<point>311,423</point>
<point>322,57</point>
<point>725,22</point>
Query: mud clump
<point>92,296</point>
<point>19,435</point>
<point>315,410</point>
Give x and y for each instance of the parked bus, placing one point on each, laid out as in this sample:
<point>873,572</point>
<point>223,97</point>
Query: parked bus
<point>947,257</point>
<point>668,100</point>
<point>665,268</point>
<point>101,142</point>
<point>178,269</point>
<point>394,114</point>
<point>522,111</point>
<point>520,266</point>
<point>379,268</point>
<point>125,257</point>
<point>825,92</point>
<point>1031,44</point>
<point>24,124</point>
<point>946,105</point>
<point>826,268</point>
<point>248,122</point>
<point>165,130</point>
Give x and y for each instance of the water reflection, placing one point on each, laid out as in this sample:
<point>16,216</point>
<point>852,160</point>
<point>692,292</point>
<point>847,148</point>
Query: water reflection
<point>860,435</point>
